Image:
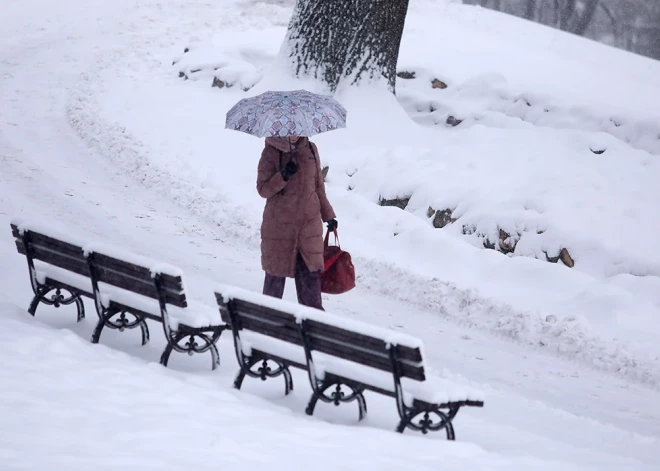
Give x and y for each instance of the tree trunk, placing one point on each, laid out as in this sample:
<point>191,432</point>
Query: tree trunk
<point>584,20</point>
<point>333,40</point>
<point>556,13</point>
<point>530,9</point>
<point>566,14</point>
<point>654,36</point>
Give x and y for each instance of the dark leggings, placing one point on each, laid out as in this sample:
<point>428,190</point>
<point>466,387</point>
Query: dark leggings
<point>308,285</point>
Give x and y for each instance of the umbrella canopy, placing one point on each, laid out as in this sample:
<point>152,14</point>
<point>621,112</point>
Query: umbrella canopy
<point>280,114</point>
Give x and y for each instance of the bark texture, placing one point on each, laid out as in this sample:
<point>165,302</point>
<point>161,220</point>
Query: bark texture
<point>334,40</point>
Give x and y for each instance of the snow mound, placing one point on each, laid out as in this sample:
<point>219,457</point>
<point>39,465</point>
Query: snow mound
<point>69,402</point>
<point>524,172</point>
<point>492,179</point>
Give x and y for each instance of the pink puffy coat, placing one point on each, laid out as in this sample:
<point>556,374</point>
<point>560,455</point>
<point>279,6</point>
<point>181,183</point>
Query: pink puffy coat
<point>295,209</point>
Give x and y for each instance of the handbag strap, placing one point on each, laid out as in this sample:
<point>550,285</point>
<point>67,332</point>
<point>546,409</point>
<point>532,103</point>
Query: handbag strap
<point>327,239</point>
<point>311,147</point>
<point>316,160</point>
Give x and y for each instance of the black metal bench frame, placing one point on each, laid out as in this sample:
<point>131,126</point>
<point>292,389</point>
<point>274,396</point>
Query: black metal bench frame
<point>185,339</point>
<point>419,416</point>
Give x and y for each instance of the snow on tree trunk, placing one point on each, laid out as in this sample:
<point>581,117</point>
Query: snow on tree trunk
<point>332,40</point>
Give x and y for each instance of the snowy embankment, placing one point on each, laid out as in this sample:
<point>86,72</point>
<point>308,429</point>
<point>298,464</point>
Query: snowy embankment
<point>540,182</point>
<point>150,138</point>
<point>82,404</point>
<point>48,370</point>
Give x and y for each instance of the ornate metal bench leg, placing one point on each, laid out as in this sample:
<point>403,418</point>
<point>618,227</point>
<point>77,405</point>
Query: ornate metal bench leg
<point>56,300</point>
<point>362,404</point>
<point>36,300</point>
<point>196,343</point>
<point>449,428</point>
<point>238,381</point>
<point>451,435</point>
<point>165,357</point>
<point>316,395</point>
<point>402,425</point>
<point>337,397</point>
<point>215,356</point>
<point>145,331</point>
<point>426,423</point>
<point>288,381</point>
<point>263,372</point>
<point>80,306</point>
<point>171,345</point>
<point>96,335</point>
<point>122,323</point>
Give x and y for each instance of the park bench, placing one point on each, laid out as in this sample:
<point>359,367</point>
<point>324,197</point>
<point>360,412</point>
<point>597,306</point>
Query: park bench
<point>126,290</point>
<point>342,357</point>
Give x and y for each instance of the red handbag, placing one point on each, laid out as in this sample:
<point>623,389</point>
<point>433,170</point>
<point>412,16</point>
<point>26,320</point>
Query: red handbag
<point>338,274</point>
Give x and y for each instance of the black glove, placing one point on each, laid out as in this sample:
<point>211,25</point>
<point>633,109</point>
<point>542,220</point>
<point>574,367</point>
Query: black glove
<point>289,171</point>
<point>332,225</point>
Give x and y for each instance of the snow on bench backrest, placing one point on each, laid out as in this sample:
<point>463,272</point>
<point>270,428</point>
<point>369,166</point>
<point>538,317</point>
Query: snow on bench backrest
<point>135,273</point>
<point>115,268</point>
<point>330,334</point>
<point>52,249</point>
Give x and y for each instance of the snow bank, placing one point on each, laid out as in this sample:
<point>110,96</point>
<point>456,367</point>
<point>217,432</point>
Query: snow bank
<point>76,404</point>
<point>531,166</point>
<point>72,405</point>
<point>601,208</point>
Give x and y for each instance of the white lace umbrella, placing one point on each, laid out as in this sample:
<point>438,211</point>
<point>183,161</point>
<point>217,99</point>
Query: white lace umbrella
<point>280,114</point>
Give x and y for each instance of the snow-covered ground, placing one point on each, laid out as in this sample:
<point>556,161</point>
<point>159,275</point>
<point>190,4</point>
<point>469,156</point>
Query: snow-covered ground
<point>100,136</point>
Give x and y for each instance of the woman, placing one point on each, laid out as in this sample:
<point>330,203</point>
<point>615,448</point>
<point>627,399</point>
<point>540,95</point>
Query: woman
<point>290,179</point>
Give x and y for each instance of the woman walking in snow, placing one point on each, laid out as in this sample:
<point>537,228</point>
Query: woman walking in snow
<point>291,180</point>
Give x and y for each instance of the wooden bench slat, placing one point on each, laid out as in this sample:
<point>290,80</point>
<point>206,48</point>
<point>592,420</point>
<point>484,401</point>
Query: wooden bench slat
<point>224,315</point>
<point>283,327</point>
<point>348,353</point>
<point>261,355</point>
<point>266,313</point>
<point>280,333</point>
<point>74,265</point>
<point>113,304</point>
<point>79,266</point>
<point>173,283</point>
<point>89,294</point>
<point>378,360</point>
<point>245,309</point>
<point>356,343</point>
<point>365,358</point>
<point>123,275</point>
<point>170,282</point>
<point>54,244</point>
<point>351,382</point>
<point>348,345</point>
<point>365,341</point>
<point>422,404</point>
<point>405,353</point>
<point>146,314</point>
<point>72,289</point>
<point>136,285</point>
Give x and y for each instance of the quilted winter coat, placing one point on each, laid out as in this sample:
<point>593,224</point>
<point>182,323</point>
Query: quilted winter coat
<point>295,209</point>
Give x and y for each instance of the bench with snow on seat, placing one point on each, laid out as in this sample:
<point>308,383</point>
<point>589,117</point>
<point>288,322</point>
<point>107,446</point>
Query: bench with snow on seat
<point>342,357</point>
<point>127,289</point>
